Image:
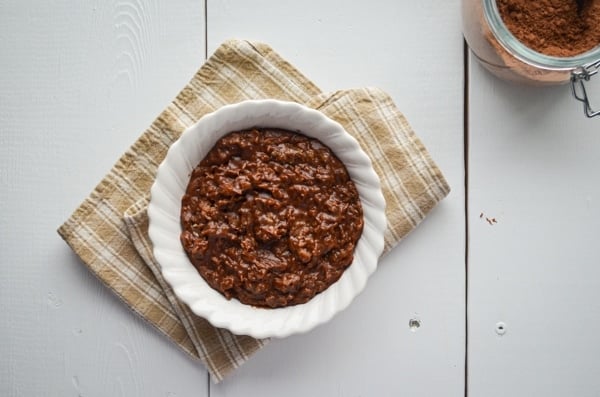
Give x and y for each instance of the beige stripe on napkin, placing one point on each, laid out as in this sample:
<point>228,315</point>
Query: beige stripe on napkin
<point>109,229</point>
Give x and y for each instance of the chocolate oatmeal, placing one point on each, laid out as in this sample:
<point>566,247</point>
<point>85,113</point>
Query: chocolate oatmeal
<point>270,217</point>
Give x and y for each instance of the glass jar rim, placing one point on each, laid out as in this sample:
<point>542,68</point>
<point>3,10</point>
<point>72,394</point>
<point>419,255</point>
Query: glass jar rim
<point>526,54</point>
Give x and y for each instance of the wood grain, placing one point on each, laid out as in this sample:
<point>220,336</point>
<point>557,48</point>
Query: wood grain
<point>79,82</point>
<point>534,168</point>
<point>371,348</point>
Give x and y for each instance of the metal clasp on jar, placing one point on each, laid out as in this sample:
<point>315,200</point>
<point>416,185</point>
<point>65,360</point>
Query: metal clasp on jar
<point>578,78</point>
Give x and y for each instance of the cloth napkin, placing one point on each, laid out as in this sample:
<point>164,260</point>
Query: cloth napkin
<point>108,231</point>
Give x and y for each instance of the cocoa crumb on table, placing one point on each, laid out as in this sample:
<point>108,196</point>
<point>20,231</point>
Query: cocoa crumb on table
<point>489,220</point>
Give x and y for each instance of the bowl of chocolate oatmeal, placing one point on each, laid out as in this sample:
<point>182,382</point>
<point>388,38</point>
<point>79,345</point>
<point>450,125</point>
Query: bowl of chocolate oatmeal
<point>266,218</point>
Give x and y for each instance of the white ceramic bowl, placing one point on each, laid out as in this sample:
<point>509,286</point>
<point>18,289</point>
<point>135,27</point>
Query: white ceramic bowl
<point>165,206</point>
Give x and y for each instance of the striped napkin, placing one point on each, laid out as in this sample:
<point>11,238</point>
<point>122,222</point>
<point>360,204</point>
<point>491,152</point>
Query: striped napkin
<point>109,229</point>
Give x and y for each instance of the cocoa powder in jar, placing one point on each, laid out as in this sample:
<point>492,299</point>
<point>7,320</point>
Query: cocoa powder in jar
<point>553,27</point>
<point>482,30</point>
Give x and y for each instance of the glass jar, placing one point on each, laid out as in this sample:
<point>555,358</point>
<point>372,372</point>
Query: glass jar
<point>504,55</point>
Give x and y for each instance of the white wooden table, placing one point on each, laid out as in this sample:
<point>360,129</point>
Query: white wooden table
<point>80,80</point>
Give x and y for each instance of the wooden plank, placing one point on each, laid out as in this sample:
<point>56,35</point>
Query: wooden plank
<point>80,82</point>
<point>534,168</point>
<point>413,50</point>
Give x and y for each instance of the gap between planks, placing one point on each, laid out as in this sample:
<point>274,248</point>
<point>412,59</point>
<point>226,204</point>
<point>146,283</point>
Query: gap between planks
<point>466,181</point>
